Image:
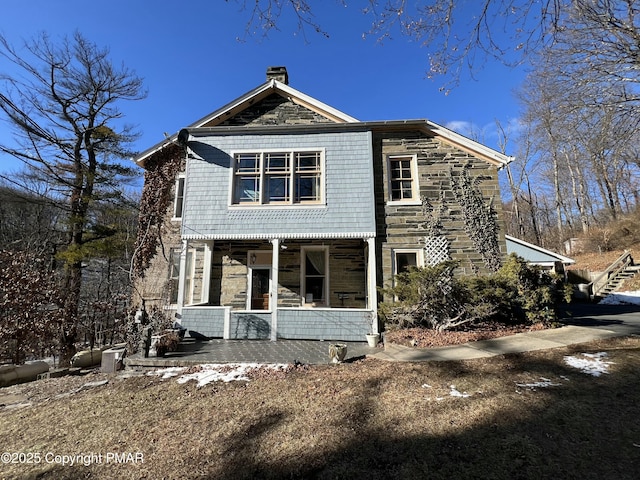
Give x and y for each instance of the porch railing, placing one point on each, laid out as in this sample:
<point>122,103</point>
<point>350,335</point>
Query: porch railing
<point>346,324</point>
<point>598,286</point>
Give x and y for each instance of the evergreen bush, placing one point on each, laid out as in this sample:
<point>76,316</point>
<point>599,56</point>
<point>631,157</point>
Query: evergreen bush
<point>435,298</point>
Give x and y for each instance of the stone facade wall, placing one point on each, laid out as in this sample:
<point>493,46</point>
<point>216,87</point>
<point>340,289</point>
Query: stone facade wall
<point>154,288</point>
<point>275,110</point>
<point>401,226</point>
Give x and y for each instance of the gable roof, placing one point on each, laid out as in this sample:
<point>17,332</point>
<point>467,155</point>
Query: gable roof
<point>535,254</point>
<point>335,119</point>
<point>244,101</point>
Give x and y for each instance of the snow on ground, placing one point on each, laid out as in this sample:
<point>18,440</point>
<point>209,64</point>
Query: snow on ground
<point>214,372</point>
<point>621,298</point>
<point>455,393</point>
<point>543,383</point>
<point>590,363</point>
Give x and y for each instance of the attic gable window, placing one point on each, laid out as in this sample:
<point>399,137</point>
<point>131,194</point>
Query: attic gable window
<point>277,178</point>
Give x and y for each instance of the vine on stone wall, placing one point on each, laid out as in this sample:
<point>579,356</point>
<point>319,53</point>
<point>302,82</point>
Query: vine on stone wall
<point>161,170</point>
<point>480,218</point>
<point>432,224</point>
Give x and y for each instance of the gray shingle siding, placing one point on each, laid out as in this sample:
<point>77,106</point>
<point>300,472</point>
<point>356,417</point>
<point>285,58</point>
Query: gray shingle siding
<point>204,321</point>
<point>348,187</point>
<point>325,324</point>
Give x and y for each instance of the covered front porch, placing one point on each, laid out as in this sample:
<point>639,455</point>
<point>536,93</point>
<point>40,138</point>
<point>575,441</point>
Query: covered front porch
<point>305,289</point>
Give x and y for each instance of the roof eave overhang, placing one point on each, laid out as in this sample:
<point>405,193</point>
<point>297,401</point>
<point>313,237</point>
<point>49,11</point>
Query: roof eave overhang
<point>429,128</point>
<point>281,236</point>
<point>498,159</point>
<point>561,258</point>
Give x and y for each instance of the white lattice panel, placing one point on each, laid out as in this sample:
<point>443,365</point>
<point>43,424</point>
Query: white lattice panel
<point>436,250</point>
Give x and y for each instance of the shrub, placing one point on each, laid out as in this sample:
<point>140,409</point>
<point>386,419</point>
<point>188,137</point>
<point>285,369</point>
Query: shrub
<point>30,300</point>
<point>432,297</point>
<point>435,298</point>
<point>535,294</point>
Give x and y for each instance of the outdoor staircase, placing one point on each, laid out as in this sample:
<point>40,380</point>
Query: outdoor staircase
<point>614,276</point>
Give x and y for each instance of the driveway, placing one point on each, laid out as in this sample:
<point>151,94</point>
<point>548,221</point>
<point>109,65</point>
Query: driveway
<point>621,319</point>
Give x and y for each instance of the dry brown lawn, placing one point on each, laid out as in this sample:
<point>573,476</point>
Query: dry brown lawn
<point>367,419</point>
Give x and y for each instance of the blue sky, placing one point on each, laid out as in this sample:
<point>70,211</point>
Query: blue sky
<point>192,63</point>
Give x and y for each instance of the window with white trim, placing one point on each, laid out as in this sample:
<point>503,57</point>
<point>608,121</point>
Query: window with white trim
<point>277,178</point>
<point>197,271</point>
<point>178,201</point>
<point>403,178</point>
<point>405,258</point>
<point>315,275</point>
<point>195,280</point>
<point>174,274</point>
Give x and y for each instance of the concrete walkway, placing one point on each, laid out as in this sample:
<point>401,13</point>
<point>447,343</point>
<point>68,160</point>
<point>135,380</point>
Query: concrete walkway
<point>583,323</point>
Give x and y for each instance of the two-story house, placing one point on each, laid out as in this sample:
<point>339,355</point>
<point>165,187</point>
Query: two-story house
<point>289,214</point>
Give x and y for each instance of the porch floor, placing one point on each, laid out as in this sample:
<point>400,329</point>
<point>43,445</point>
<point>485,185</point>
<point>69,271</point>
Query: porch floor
<point>193,352</point>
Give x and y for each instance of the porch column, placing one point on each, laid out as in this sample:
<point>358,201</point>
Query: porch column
<point>372,295</point>
<point>273,294</point>
<point>181,278</point>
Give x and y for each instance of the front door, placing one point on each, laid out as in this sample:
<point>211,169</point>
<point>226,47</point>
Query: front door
<point>260,287</point>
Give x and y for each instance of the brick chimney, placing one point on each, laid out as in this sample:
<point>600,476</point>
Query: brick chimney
<point>278,73</point>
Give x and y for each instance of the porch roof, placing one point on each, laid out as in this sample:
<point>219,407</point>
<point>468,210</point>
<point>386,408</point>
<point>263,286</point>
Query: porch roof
<point>281,236</point>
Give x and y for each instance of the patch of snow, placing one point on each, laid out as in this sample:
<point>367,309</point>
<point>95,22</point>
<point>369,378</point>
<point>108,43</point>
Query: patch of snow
<point>17,405</point>
<point>426,385</point>
<point>590,363</point>
<point>456,393</point>
<point>543,383</point>
<point>169,372</point>
<point>621,298</point>
<point>215,372</point>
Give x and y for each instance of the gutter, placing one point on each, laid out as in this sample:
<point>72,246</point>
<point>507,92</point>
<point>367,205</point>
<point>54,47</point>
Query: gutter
<point>429,128</point>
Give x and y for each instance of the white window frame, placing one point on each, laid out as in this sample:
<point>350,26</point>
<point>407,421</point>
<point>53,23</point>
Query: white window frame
<point>292,173</point>
<point>178,197</point>
<point>174,274</point>
<point>189,279</point>
<point>394,261</point>
<point>303,274</point>
<point>415,188</point>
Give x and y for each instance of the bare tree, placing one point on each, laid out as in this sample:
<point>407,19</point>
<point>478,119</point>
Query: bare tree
<point>585,140</point>
<point>598,44</point>
<point>63,108</point>
<point>460,34</point>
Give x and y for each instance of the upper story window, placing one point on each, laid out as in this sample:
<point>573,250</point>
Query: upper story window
<point>178,201</point>
<point>403,178</point>
<point>277,178</point>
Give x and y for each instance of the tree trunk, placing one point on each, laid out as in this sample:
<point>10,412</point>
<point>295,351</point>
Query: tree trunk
<point>69,326</point>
